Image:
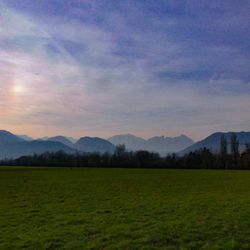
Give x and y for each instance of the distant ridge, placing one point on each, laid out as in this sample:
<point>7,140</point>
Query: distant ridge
<point>61,139</point>
<point>212,142</point>
<point>160,144</point>
<point>94,144</point>
<point>132,142</point>
<point>25,137</point>
<point>86,144</point>
<point>7,137</point>
<point>11,146</point>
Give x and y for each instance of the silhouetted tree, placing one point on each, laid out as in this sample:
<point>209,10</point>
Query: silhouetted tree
<point>223,151</point>
<point>120,150</point>
<point>234,149</point>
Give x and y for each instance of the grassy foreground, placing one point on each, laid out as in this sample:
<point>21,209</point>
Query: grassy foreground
<point>43,208</point>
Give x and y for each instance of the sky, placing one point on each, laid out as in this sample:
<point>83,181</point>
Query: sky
<point>106,67</point>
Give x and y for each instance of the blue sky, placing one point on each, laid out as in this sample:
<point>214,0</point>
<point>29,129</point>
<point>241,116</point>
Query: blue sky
<point>86,67</point>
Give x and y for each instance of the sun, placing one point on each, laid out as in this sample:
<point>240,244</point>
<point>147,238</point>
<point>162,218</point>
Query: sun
<point>18,89</point>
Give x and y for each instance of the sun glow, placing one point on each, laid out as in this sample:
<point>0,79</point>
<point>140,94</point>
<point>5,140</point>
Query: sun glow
<point>18,89</point>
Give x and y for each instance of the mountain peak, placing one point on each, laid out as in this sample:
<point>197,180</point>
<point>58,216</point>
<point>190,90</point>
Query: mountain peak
<point>94,144</point>
<point>160,144</point>
<point>212,142</point>
<point>8,137</point>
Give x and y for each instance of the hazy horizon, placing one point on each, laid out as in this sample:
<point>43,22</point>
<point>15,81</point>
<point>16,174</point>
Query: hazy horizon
<point>121,134</point>
<point>89,135</point>
<point>102,68</point>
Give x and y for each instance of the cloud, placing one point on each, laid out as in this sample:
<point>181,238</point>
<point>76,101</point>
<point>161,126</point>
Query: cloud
<point>130,68</point>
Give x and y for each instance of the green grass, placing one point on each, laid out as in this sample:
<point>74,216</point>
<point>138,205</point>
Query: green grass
<point>42,208</point>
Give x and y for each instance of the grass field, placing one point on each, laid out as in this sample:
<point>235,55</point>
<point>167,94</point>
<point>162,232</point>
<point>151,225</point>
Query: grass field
<point>124,209</point>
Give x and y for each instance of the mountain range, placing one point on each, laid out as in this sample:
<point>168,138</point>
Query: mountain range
<point>14,146</point>
<point>160,144</point>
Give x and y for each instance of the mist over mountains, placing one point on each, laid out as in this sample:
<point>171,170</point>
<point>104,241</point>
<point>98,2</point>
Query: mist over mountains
<point>61,139</point>
<point>14,146</point>
<point>160,144</point>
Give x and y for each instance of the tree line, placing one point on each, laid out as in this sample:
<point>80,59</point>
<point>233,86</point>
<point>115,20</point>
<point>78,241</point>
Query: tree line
<point>200,159</point>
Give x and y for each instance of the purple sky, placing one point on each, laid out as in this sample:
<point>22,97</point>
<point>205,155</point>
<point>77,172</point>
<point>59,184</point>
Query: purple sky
<point>105,67</point>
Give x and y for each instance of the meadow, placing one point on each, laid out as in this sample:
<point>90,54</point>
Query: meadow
<point>64,208</point>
